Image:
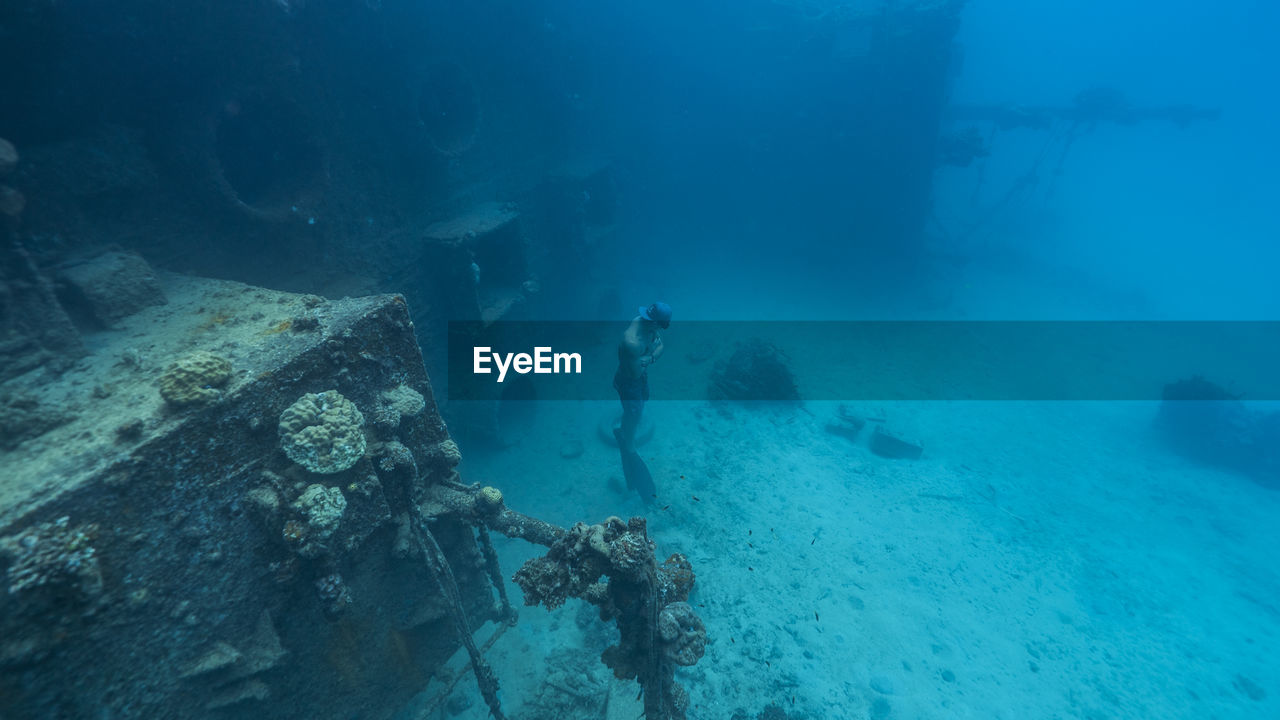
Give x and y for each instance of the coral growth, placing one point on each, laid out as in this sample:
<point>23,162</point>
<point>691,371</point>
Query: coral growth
<point>194,379</point>
<point>1203,421</point>
<point>405,401</point>
<point>53,555</point>
<point>392,455</point>
<point>319,512</point>
<point>629,553</point>
<point>675,579</point>
<point>489,499</point>
<point>333,594</point>
<point>577,561</point>
<point>392,406</point>
<point>323,432</point>
<point>446,454</point>
<point>574,687</point>
<point>757,371</point>
<point>568,569</point>
<point>655,634</point>
<point>684,636</point>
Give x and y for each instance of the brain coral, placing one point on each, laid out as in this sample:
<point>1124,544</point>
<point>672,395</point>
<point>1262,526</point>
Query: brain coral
<point>323,432</point>
<point>194,379</point>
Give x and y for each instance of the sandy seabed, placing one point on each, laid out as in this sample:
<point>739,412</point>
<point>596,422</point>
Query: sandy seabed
<point>1041,560</point>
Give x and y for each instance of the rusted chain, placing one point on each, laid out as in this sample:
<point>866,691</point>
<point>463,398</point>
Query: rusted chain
<point>448,586</point>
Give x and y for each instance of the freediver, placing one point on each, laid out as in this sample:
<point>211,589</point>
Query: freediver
<point>640,346</point>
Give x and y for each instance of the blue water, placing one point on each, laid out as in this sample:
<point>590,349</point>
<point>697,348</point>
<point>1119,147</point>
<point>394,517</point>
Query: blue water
<point>1041,560</point>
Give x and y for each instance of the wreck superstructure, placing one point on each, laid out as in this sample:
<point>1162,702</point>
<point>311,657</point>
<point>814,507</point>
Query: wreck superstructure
<point>238,495</point>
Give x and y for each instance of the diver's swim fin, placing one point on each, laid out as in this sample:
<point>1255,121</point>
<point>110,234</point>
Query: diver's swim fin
<point>638,477</point>
<point>636,473</point>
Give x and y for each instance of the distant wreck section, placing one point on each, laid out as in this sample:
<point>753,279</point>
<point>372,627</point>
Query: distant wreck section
<point>245,501</point>
<point>480,158</point>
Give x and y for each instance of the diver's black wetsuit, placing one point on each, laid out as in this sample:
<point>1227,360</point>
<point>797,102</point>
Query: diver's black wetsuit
<point>633,391</point>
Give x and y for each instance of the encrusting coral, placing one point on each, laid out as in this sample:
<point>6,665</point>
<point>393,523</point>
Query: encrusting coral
<point>53,555</point>
<point>194,379</point>
<point>657,629</point>
<point>322,508</point>
<point>404,400</point>
<point>684,636</point>
<point>323,432</point>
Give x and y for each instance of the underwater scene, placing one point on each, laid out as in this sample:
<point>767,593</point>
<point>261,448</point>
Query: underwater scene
<point>705,360</point>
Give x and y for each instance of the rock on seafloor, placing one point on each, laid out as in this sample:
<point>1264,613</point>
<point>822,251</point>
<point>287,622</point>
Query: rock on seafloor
<point>888,445</point>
